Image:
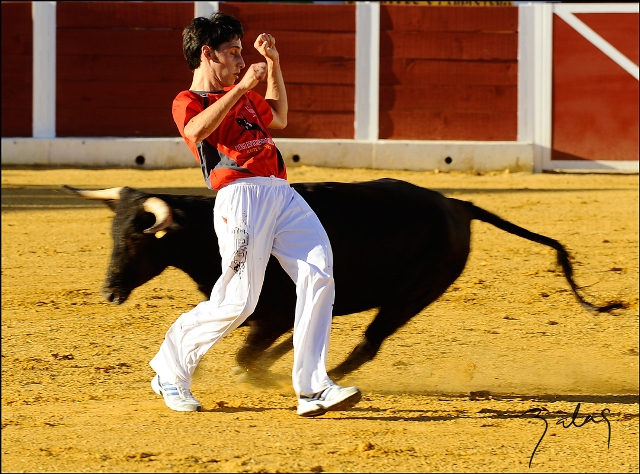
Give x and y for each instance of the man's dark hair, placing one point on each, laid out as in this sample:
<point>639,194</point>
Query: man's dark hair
<point>213,31</point>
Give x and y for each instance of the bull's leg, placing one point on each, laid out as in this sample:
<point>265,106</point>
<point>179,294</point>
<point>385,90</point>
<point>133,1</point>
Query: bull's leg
<point>274,353</point>
<point>251,356</point>
<point>364,352</point>
<point>388,320</point>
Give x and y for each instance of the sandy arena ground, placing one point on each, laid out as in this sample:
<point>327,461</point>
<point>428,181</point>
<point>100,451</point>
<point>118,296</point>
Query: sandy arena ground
<point>446,393</point>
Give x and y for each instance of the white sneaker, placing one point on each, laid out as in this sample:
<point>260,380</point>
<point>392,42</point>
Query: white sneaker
<point>334,398</point>
<point>176,398</point>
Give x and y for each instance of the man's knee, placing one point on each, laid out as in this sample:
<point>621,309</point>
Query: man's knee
<point>248,309</point>
<point>322,279</point>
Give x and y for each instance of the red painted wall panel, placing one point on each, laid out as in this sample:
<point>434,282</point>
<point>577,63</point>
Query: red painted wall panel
<point>448,73</point>
<point>120,65</point>
<point>117,15</point>
<point>450,45</point>
<point>17,69</point>
<point>595,101</point>
<point>293,17</point>
<point>462,98</point>
<point>456,18</point>
<point>87,68</point>
<point>317,47</point>
<point>443,72</point>
<point>446,124</point>
<point>619,29</point>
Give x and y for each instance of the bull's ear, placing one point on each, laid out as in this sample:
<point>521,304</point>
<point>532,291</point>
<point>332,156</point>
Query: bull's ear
<point>111,204</point>
<point>174,227</point>
<point>178,217</point>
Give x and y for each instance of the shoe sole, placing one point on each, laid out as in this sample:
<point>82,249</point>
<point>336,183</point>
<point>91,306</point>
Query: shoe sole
<point>320,410</point>
<point>345,404</point>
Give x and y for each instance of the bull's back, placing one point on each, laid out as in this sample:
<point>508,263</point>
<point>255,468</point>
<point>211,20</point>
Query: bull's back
<point>386,236</point>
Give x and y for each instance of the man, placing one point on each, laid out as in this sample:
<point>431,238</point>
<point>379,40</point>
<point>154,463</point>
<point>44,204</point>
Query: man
<point>256,214</point>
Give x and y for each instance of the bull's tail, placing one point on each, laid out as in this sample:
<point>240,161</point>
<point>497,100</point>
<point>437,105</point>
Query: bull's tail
<point>563,256</point>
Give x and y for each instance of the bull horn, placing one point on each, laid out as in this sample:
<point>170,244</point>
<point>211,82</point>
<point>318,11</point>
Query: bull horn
<point>97,195</point>
<point>162,211</point>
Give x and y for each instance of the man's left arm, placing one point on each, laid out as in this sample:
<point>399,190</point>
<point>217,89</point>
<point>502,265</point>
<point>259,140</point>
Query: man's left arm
<point>276,95</point>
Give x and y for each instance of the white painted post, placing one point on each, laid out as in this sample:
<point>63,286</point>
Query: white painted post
<point>366,121</point>
<point>205,9</point>
<point>526,63</point>
<point>543,65</point>
<point>44,69</point>
<point>541,85</point>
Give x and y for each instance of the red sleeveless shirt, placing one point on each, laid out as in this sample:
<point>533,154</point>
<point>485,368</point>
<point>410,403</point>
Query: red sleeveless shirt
<point>240,147</point>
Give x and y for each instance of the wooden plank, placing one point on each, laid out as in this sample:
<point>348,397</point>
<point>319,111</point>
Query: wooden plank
<point>321,98</point>
<point>91,67</point>
<point>313,70</point>
<point>595,109</point>
<point>156,122</point>
<point>92,100</point>
<point>420,125</point>
<point>317,97</point>
<point>304,43</point>
<point>278,17</point>
<point>449,97</point>
<point>144,121</point>
<point>317,125</point>
<point>15,123</point>
<point>17,29</point>
<point>296,69</point>
<point>619,29</point>
<point>445,18</point>
<point>101,15</point>
<point>169,43</point>
<point>427,71</point>
<point>17,69</point>
<point>125,95</point>
<point>118,96</point>
<point>448,73</point>
<point>119,42</point>
<point>16,94</point>
<point>449,45</point>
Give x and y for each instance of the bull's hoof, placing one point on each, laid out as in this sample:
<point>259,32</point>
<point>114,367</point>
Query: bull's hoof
<point>237,371</point>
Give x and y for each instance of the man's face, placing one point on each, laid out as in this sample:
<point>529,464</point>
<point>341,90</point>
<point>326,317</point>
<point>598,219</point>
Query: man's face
<point>228,62</point>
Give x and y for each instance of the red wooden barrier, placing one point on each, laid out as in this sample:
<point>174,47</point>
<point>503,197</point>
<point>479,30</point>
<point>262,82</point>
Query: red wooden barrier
<point>448,73</point>
<point>17,69</point>
<point>119,67</point>
<point>317,47</point>
<point>595,101</point>
<point>445,72</point>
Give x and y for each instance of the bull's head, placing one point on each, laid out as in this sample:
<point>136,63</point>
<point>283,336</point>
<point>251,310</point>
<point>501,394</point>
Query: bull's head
<point>139,222</point>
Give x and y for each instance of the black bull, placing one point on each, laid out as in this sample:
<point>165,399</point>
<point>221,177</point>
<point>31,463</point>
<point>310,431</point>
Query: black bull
<point>396,246</point>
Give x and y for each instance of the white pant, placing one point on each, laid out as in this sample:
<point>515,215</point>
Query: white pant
<point>253,218</point>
